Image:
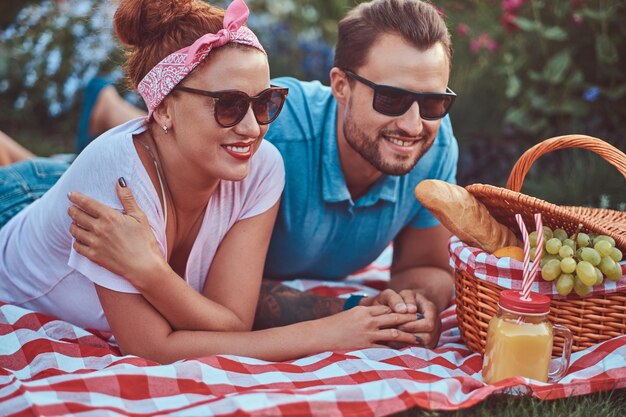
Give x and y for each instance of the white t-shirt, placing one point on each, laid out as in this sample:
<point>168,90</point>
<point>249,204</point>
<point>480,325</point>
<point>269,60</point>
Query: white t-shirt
<point>41,271</point>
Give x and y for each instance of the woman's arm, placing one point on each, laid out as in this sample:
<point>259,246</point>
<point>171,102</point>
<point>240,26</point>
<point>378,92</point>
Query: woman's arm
<point>125,245</point>
<point>140,330</point>
<point>233,281</point>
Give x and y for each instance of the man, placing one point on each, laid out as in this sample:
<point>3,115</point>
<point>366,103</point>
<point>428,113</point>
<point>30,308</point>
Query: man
<point>353,154</point>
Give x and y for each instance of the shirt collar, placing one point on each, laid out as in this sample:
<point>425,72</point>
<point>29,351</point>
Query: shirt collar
<point>334,187</point>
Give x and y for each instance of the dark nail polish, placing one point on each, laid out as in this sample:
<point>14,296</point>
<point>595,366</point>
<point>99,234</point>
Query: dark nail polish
<point>122,182</point>
<point>420,316</point>
<point>418,340</point>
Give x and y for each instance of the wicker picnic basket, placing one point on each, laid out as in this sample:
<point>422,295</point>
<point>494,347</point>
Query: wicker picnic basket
<point>591,319</point>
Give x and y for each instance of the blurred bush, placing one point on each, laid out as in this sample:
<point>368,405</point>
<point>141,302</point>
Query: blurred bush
<point>527,70</point>
<point>524,70</point>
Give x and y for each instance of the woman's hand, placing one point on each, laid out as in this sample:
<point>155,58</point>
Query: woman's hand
<point>122,243</point>
<point>426,323</point>
<point>364,327</point>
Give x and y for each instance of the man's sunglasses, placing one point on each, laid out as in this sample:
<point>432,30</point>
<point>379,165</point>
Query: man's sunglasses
<point>394,101</point>
<point>231,106</point>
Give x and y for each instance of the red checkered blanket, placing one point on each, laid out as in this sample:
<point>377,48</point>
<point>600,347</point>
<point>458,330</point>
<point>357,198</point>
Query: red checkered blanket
<point>50,367</point>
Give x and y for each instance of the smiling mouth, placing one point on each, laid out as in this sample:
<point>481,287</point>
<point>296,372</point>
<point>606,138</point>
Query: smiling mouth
<point>403,143</point>
<point>242,151</point>
<point>238,149</point>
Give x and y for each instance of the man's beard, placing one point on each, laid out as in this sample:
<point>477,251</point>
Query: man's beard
<point>369,149</point>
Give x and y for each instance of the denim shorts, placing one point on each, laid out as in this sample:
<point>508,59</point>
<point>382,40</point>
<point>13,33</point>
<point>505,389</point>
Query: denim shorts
<point>26,181</point>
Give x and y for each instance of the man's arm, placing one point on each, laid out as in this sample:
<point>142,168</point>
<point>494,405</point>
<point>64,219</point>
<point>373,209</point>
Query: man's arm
<point>420,271</point>
<point>280,305</point>
<point>421,262</point>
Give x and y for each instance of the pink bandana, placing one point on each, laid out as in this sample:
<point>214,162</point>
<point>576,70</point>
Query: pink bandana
<point>162,79</point>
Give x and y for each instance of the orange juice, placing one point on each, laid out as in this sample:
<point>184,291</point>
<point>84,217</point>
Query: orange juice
<point>519,340</point>
<point>517,346</point>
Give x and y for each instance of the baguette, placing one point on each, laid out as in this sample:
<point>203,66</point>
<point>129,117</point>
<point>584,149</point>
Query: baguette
<point>464,216</point>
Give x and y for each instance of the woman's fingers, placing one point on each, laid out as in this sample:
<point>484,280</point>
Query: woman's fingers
<point>378,310</point>
<point>393,335</point>
<point>426,340</point>
<point>128,201</point>
<point>81,218</point>
<point>393,319</point>
<point>81,235</point>
<point>80,247</point>
<point>90,206</point>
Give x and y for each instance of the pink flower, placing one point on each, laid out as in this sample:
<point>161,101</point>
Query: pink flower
<point>483,41</point>
<point>508,22</point>
<point>463,30</point>
<point>511,5</point>
<point>578,20</point>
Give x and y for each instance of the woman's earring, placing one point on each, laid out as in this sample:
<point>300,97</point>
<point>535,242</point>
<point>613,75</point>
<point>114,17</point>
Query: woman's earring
<point>165,129</point>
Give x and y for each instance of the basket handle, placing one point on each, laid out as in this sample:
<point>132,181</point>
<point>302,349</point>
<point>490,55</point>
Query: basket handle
<point>609,152</point>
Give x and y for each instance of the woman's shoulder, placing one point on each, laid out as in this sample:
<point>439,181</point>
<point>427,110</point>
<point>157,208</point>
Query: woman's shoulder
<point>113,146</point>
<point>268,152</point>
<point>266,161</point>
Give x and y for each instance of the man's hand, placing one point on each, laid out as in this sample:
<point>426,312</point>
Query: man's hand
<point>427,325</point>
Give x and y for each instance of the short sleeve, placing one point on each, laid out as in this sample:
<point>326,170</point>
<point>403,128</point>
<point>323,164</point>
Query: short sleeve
<point>445,170</point>
<point>265,182</point>
<point>99,275</point>
<point>94,173</point>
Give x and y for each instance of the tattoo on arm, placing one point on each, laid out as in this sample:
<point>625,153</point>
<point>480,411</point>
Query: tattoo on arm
<point>280,305</point>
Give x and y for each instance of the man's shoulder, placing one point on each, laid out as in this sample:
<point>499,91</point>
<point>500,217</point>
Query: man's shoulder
<point>308,110</point>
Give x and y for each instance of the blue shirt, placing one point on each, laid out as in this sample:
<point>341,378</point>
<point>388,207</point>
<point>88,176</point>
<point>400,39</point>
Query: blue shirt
<point>321,233</point>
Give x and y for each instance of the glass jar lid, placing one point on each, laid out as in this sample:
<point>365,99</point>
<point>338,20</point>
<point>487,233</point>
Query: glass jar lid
<point>535,304</point>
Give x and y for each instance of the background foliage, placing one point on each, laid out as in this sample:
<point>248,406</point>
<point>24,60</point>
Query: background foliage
<point>524,70</point>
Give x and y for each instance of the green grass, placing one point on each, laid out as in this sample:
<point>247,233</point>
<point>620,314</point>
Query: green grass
<point>603,404</point>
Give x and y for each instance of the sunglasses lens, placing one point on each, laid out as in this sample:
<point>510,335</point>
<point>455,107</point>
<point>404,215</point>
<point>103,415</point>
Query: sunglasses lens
<point>231,108</point>
<point>395,103</point>
<point>435,106</point>
<point>268,105</point>
<point>392,102</point>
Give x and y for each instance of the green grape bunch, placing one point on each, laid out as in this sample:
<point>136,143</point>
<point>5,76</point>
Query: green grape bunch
<point>576,262</point>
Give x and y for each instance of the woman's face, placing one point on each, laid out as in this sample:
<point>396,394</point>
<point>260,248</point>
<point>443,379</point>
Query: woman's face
<point>202,144</point>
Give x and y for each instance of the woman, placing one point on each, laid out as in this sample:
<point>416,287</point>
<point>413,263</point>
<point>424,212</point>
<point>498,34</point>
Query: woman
<point>206,189</point>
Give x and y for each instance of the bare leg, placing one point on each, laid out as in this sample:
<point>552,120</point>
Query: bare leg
<point>111,110</point>
<point>11,151</point>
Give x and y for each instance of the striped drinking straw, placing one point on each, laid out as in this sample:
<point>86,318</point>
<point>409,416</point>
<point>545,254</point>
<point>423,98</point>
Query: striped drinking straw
<point>530,273</point>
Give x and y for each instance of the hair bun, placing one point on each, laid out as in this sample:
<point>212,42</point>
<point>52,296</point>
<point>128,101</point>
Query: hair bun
<point>141,22</point>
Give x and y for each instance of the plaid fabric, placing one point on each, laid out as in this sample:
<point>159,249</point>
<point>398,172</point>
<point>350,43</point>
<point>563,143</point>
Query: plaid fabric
<point>507,272</point>
<point>52,368</point>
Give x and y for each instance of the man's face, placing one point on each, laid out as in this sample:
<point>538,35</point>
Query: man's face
<point>394,144</point>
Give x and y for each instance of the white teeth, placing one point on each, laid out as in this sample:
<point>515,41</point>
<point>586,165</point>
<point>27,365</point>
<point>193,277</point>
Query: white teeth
<point>399,142</point>
<point>238,149</point>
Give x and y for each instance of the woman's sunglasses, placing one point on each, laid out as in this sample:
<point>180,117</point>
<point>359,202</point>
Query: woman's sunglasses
<point>394,101</point>
<point>231,106</point>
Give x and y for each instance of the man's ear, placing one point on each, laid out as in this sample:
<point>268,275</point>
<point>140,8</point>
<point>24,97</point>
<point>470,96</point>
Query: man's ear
<point>340,85</point>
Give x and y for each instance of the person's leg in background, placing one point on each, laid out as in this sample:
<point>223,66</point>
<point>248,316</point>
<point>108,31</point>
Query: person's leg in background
<point>11,151</point>
<point>103,109</point>
<point>25,181</point>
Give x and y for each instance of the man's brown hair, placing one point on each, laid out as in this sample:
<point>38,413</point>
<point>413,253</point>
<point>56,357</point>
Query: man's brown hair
<point>417,22</point>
